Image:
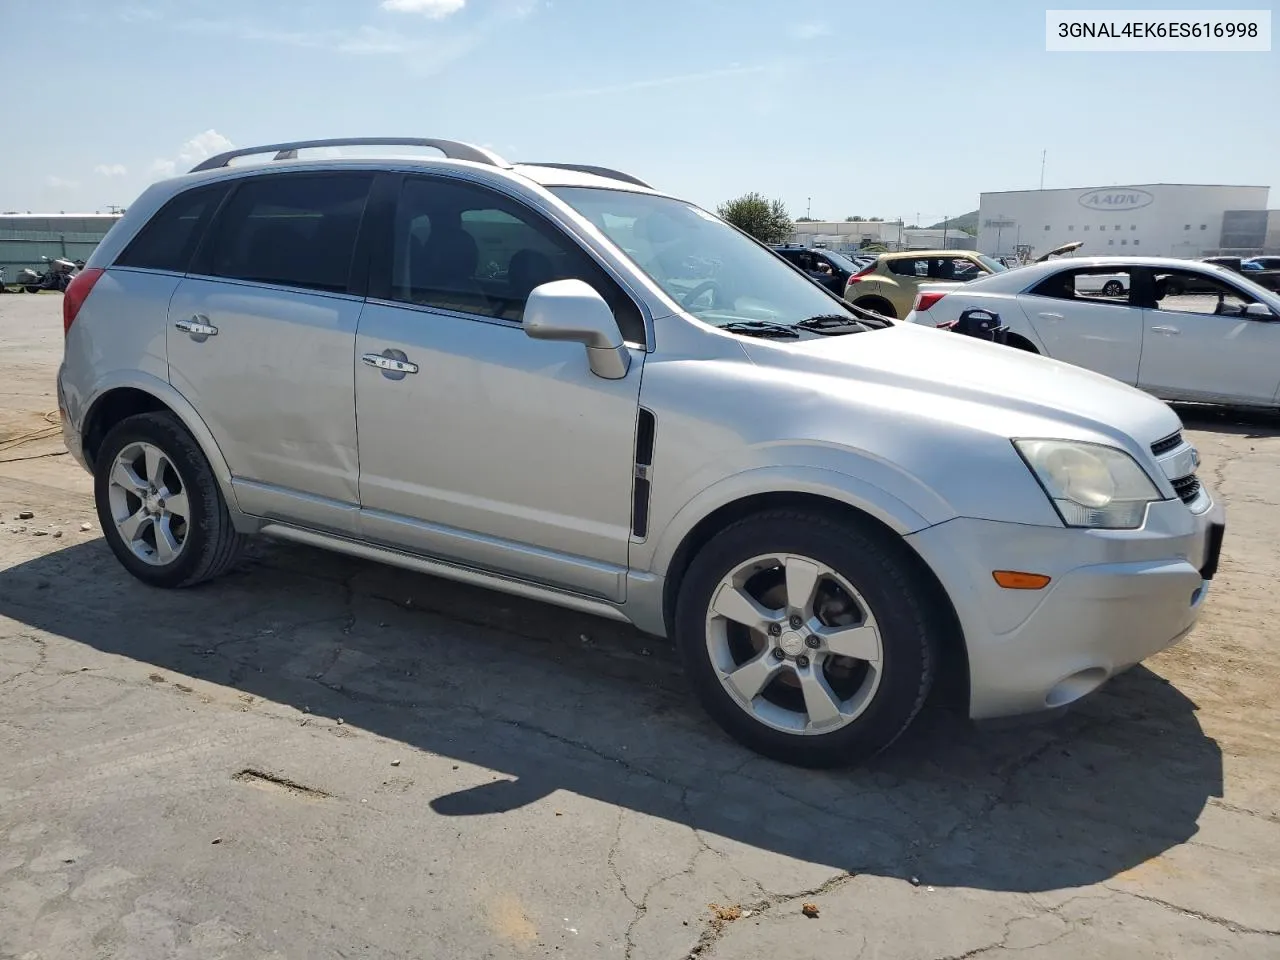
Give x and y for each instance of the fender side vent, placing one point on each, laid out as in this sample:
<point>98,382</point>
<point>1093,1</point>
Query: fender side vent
<point>645,427</point>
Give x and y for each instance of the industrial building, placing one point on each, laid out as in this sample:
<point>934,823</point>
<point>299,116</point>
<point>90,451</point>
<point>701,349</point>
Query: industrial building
<point>846,236</point>
<point>25,238</point>
<point>1154,219</point>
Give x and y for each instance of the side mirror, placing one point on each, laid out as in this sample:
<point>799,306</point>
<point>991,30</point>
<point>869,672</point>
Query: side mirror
<point>1259,311</point>
<point>572,310</point>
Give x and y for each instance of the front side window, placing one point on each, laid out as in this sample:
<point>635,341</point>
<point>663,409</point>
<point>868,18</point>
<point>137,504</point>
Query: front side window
<point>1183,291</point>
<point>715,272</point>
<point>1102,285</point>
<point>169,239</point>
<point>465,249</point>
<point>292,230</point>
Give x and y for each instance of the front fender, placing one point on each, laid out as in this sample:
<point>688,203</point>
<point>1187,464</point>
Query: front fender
<point>165,393</point>
<point>870,498</point>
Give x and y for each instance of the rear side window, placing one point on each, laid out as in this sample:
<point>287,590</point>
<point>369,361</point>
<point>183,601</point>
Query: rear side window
<point>170,237</point>
<point>296,231</point>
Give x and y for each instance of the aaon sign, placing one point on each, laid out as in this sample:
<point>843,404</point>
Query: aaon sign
<point>1116,198</point>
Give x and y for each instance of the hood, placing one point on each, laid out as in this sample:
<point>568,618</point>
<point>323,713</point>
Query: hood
<point>997,389</point>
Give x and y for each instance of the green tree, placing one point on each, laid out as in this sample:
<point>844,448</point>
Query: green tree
<point>854,219</point>
<point>766,220</point>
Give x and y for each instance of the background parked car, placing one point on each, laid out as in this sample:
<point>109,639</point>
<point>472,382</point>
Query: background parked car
<point>1183,330</point>
<point>811,260</point>
<point>889,285</point>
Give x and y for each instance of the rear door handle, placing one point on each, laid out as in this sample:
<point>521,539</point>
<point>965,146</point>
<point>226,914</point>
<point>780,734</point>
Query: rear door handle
<point>197,326</point>
<point>1170,331</point>
<point>392,364</point>
<point>1051,316</point>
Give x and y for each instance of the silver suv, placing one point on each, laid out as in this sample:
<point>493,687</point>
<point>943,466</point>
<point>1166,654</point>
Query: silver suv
<point>556,381</point>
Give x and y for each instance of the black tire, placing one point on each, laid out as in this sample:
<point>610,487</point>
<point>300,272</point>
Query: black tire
<point>877,305</point>
<point>31,289</point>
<point>879,567</point>
<point>1112,288</point>
<point>211,545</point>
<point>1021,343</point>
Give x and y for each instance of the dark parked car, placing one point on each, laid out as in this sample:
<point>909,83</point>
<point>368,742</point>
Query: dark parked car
<point>812,260</point>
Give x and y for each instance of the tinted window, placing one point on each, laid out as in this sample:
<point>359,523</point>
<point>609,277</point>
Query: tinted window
<point>463,248</point>
<point>170,237</point>
<point>298,231</point>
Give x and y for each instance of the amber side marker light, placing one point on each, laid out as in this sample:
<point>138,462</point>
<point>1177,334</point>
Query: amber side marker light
<point>1015,580</point>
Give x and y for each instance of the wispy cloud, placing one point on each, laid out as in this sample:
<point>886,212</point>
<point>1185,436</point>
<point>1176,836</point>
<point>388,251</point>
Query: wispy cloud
<point>425,49</point>
<point>111,170</point>
<point>808,30</point>
<point>675,80</point>
<point>432,9</point>
<point>61,183</point>
<point>200,147</point>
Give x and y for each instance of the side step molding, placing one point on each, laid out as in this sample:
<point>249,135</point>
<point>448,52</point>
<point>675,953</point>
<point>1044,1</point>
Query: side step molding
<point>444,569</point>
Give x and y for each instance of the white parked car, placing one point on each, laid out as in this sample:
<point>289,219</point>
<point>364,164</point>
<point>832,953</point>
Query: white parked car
<point>1179,329</point>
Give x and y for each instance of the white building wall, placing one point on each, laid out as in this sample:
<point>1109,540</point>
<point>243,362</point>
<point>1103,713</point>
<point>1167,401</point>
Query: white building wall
<point>1181,220</point>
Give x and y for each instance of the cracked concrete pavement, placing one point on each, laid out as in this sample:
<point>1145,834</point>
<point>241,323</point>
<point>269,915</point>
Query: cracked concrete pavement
<point>318,757</point>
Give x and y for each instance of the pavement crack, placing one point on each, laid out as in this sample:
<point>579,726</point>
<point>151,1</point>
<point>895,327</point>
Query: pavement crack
<point>1243,811</point>
<point>1199,915</point>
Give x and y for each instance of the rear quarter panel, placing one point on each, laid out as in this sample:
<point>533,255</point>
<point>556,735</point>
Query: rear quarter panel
<point>120,328</point>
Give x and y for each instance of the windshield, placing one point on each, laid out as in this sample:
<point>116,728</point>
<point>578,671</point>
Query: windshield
<point>716,273</point>
<point>995,266</point>
<point>841,261</point>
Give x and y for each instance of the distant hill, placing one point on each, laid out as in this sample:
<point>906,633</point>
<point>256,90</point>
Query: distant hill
<point>968,222</point>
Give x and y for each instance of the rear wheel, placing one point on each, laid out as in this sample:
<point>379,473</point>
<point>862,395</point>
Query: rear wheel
<point>877,305</point>
<point>1112,288</point>
<point>159,503</point>
<point>806,638</point>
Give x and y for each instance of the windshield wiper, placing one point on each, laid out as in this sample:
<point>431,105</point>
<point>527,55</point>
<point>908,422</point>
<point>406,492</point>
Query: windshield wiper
<point>830,323</point>
<point>760,328</point>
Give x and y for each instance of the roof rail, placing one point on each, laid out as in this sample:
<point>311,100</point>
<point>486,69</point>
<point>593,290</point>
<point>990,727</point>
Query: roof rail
<point>598,171</point>
<point>289,151</point>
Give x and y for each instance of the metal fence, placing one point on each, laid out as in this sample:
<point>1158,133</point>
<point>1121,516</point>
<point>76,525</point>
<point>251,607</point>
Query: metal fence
<point>19,249</point>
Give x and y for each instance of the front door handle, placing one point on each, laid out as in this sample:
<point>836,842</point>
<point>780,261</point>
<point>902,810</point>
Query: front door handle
<point>1168,331</point>
<point>197,326</point>
<point>1051,316</point>
<point>390,364</point>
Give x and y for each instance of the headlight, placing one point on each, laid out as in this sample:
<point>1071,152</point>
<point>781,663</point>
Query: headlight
<point>1089,484</point>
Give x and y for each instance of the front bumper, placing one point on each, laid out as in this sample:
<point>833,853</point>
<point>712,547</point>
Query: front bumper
<point>1116,598</point>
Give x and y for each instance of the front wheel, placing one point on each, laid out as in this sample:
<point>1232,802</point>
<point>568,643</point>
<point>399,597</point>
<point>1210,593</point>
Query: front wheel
<point>807,638</point>
<point>1113,288</point>
<point>159,504</point>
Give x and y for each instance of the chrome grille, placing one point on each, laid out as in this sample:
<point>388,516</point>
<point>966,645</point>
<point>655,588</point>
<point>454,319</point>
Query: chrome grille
<point>1171,442</point>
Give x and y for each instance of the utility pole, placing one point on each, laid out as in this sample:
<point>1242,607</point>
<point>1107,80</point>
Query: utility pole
<point>1043,154</point>
<point>944,231</point>
<point>808,210</point>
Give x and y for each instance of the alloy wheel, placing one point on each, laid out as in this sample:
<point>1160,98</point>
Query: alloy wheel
<point>794,644</point>
<point>149,505</point>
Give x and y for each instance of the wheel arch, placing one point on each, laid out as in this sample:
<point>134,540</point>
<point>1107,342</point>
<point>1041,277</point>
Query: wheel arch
<point>876,302</point>
<point>953,675</point>
<point>126,397</point>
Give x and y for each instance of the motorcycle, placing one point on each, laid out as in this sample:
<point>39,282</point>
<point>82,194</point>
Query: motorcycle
<point>57,276</point>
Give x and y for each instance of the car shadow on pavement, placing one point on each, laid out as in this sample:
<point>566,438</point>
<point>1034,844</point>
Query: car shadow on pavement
<point>556,701</point>
<point>1250,423</point>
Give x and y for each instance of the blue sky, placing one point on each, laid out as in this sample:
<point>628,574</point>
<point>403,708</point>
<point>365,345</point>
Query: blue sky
<point>877,109</point>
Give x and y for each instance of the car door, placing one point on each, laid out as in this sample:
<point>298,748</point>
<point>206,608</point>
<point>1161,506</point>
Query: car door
<point>261,337</point>
<point>1079,323</point>
<point>1197,344</point>
<point>485,447</point>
